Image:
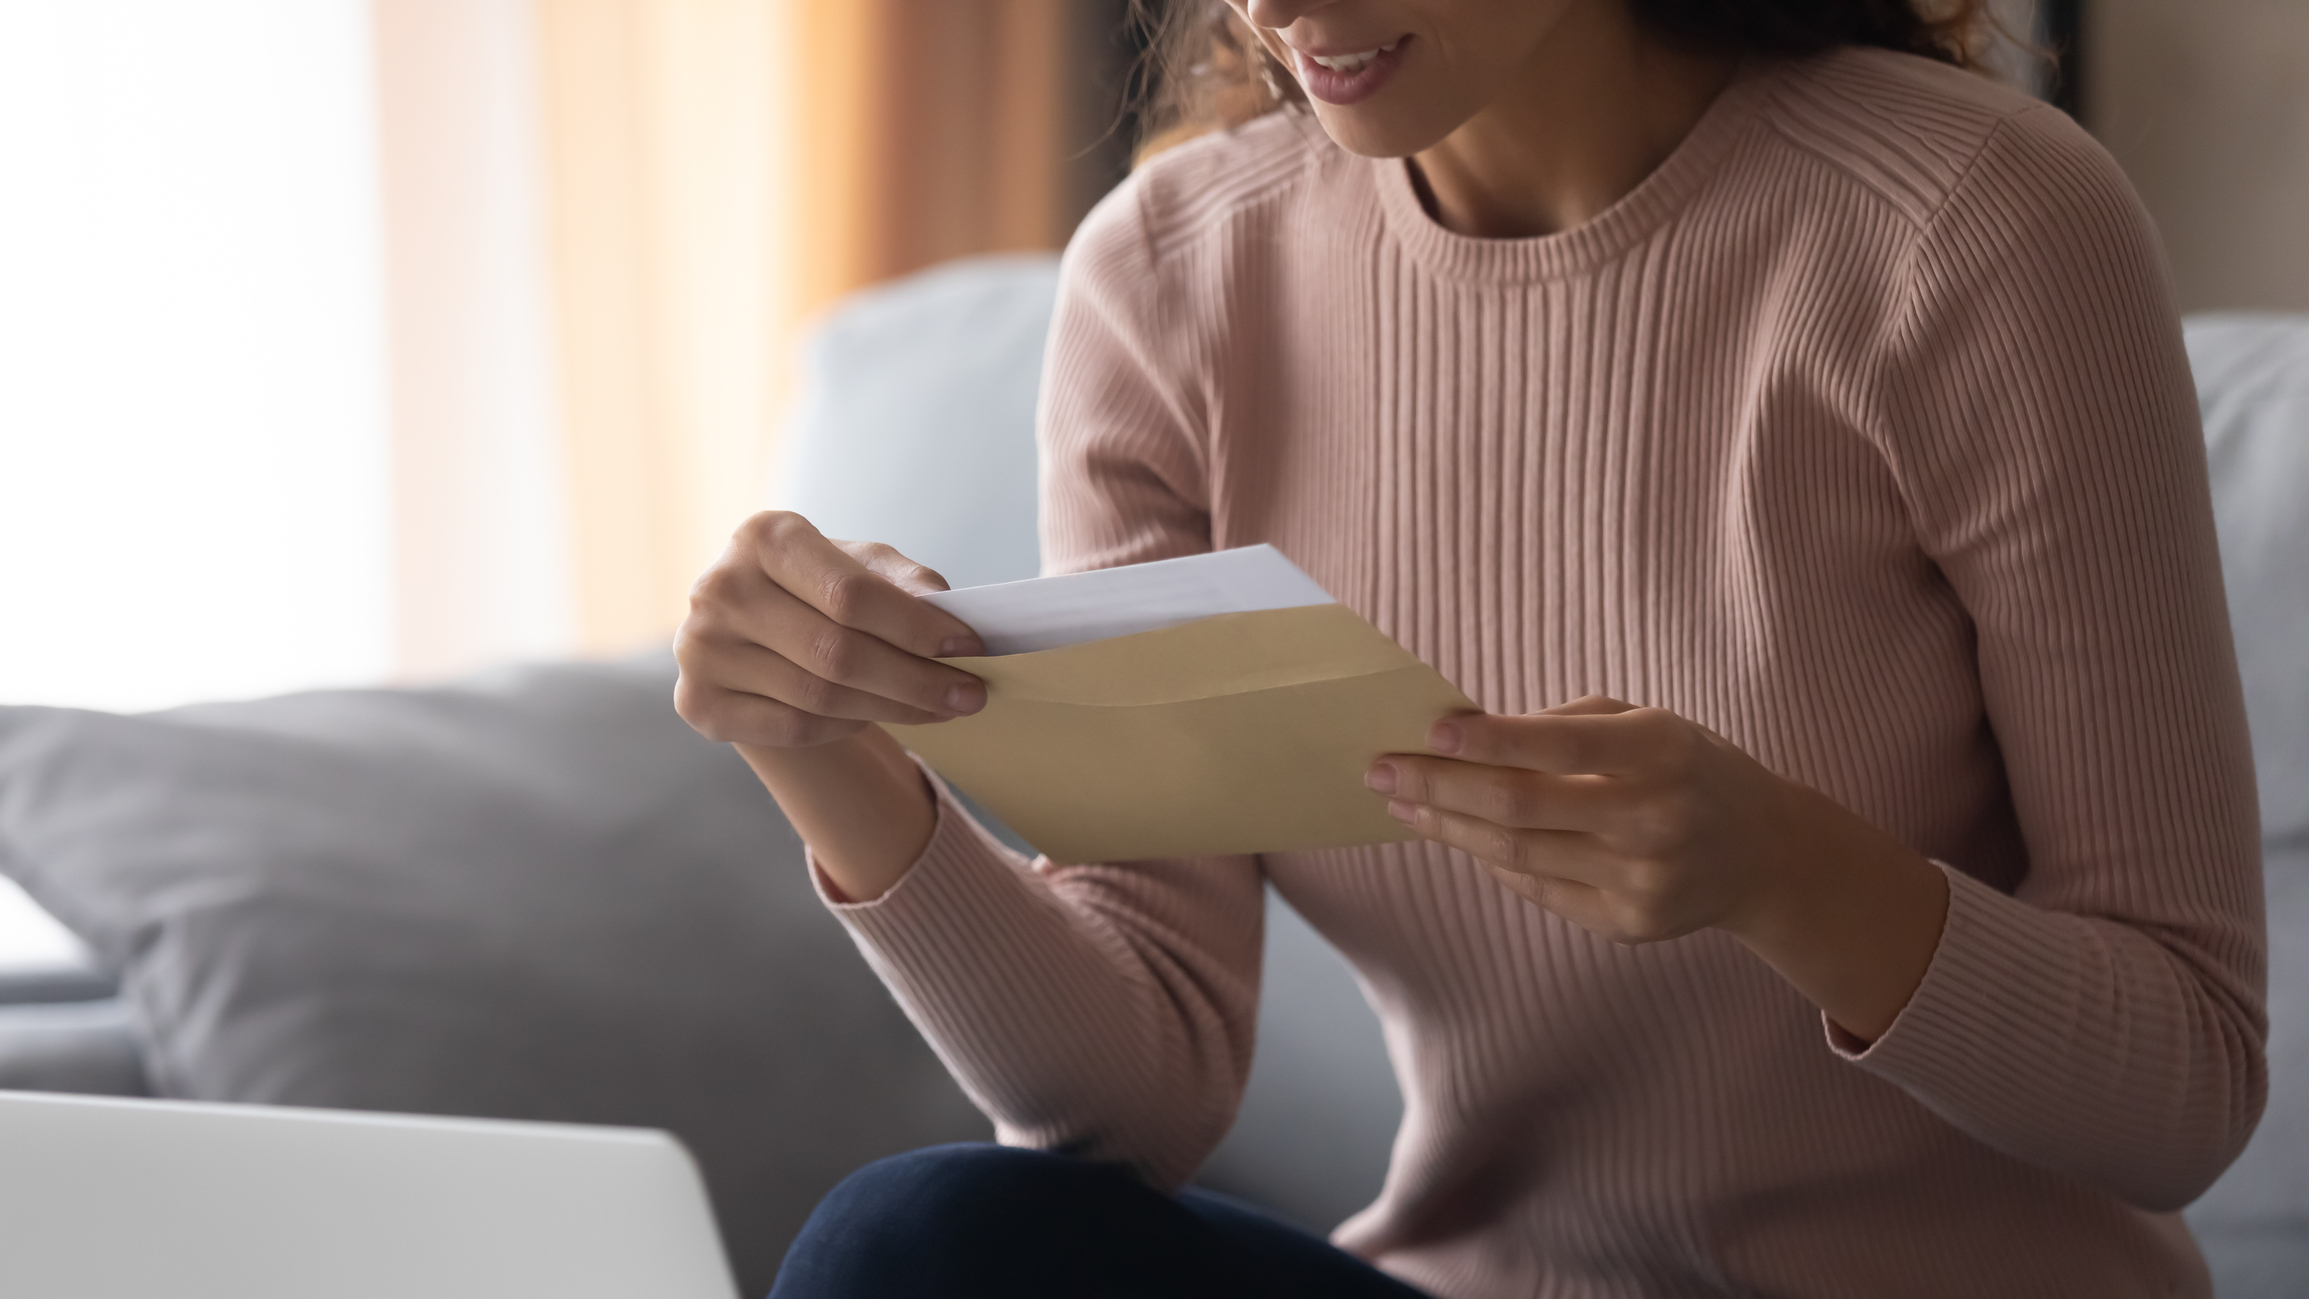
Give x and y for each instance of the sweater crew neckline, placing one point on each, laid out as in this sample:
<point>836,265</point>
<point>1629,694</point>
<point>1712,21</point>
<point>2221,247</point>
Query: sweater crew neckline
<point>1597,241</point>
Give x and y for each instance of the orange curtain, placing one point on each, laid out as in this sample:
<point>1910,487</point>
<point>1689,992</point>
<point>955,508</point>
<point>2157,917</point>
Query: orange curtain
<point>719,170</point>
<point>934,129</point>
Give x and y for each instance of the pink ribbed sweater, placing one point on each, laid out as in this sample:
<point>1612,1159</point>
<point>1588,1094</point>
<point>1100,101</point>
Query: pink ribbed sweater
<point>1860,433</point>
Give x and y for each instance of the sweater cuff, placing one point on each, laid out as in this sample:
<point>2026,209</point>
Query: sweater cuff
<point>1992,953</point>
<point>961,865</point>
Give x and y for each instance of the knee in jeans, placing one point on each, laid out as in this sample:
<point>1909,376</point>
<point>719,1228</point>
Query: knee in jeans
<point>975,1189</point>
<point>980,1220</point>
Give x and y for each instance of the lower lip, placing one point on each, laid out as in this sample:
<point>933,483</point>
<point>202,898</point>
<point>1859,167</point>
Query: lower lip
<point>1343,88</point>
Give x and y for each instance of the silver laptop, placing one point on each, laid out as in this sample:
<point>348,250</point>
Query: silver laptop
<point>118,1199</point>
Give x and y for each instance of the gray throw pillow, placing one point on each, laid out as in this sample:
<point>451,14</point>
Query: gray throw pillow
<point>536,894</point>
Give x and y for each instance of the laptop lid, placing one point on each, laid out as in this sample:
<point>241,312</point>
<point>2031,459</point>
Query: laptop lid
<point>121,1199</point>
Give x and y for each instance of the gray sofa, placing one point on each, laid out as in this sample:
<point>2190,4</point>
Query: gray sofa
<point>535,894</point>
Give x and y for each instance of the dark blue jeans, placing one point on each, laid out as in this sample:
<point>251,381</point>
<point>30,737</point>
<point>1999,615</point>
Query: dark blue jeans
<point>972,1221</point>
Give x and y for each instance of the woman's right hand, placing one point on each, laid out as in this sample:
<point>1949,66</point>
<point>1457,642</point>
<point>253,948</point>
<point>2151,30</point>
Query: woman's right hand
<point>795,640</point>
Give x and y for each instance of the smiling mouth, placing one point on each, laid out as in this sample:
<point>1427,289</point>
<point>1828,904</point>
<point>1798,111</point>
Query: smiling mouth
<point>1354,62</point>
<point>1342,79</point>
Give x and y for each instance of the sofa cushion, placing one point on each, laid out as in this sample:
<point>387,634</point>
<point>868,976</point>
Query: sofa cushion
<point>915,425</point>
<point>2253,384</point>
<point>536,894</point>
<point>2254,1223</point>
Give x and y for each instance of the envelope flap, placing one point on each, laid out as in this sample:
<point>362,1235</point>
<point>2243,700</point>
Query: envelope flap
<point>1227,654</point>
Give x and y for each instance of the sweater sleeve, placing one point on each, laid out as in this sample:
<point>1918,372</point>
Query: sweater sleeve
<point>2104,1017</point>
<point>1105,1010</point>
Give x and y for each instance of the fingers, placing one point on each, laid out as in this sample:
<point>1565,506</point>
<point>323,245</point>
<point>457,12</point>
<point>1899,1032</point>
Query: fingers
<point>1611,816</point>
<point>731,717</point>
<point>877,595</point>
<point>1582,904</point>
<point>1515,797</point>
<point>793,639</point>
<point>1569,874</point>
<point>1590,736</point>
<point>750,669</point>
<point>907,575</point>
<point>1554,854</point>
<point>776,620</point>
<point>1572,875</point>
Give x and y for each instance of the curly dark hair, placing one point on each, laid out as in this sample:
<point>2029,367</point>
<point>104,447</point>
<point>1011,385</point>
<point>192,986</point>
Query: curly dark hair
<point>1205,71</point>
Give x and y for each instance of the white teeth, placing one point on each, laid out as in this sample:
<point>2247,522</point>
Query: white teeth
<point>1354,62</point>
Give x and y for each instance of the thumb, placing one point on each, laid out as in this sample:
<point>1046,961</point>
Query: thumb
<point>1587,706</point>
<point>888,564</point>
<point>917,579</point>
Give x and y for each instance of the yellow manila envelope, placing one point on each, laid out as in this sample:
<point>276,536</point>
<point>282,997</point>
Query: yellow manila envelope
<point>1247,730</point>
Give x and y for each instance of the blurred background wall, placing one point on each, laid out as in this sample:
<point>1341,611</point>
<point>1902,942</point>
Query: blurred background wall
<point>351,340</point>
<point>2206,103</point>
<point>195,451</point>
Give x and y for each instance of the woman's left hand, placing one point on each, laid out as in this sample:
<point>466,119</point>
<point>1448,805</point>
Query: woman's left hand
<point>1638,825</point>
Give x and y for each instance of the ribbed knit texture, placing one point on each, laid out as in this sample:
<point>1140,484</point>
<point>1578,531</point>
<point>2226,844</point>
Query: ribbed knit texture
<point>1860,433</point>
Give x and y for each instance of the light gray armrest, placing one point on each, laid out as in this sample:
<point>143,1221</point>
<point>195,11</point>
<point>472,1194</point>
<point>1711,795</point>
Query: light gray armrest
<point>88,1047</point>
<point>50,984</point>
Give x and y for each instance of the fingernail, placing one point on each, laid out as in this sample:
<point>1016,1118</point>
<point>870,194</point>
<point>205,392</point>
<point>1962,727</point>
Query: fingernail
<point>968,697</point>
<point>1380,779</point>
<point>960,647</point>
<point>1401,811</point>
<point>1445,738</point>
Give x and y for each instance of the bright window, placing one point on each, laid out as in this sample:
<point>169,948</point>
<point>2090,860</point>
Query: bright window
<point>194,474</point>
<point>30,940</point>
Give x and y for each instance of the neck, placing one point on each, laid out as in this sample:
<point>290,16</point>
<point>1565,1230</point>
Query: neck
<point>1601,105</point>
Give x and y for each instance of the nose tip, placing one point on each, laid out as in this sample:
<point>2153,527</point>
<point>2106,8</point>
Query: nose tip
<point>1278,14</point>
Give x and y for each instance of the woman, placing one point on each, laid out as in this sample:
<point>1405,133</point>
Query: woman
<point>1799,423</point>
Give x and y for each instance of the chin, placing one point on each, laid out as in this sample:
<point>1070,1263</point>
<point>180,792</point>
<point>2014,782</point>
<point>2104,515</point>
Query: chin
<point>1369,130</point>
